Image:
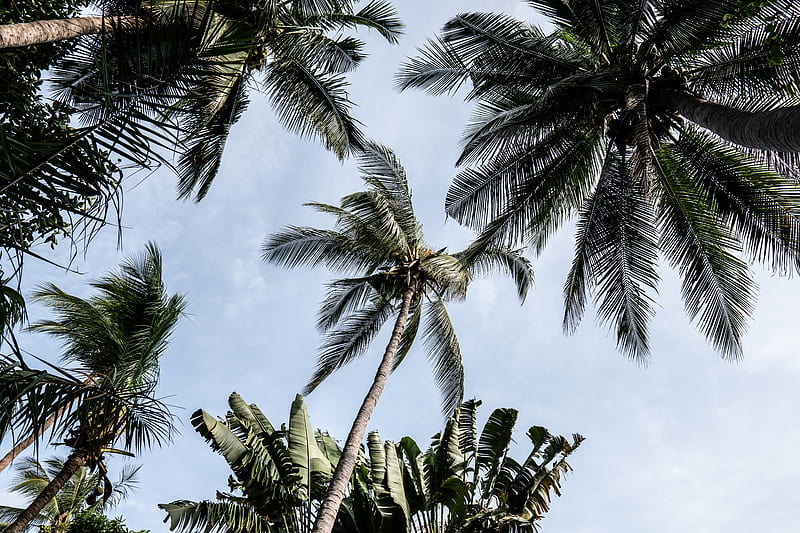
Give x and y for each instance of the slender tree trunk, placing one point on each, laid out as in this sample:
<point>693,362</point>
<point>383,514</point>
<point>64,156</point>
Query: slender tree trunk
<point>72,464</point>
<point>17,450</point>
<point>776,130</point>
<point>47,31</point>
<point>326,515</point>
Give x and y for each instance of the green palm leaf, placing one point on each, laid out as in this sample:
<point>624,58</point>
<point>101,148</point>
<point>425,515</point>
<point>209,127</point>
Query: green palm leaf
<point>579,122</point>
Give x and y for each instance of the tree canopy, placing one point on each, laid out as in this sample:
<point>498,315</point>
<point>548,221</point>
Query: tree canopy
<point>622,117</point>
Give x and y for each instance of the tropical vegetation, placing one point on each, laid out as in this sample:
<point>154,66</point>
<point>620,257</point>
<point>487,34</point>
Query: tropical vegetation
<point>105,397</point>
<point>85,491</point>
<point>378,237</point>
<point>465,481</point>
<point>91,522</point>
<point>74,179</point>
<point>667,128</point>
<point>159,82</point>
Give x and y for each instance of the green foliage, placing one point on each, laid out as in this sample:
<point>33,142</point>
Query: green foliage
<point>54,184</point>
<point>465,482</point>
<point>279,475</point>
<point>85,491</point>
<point>578,124</point>
<point>174,86</point>
<point>104,393</point>
<point>90,522</point>
<point>378,238</point>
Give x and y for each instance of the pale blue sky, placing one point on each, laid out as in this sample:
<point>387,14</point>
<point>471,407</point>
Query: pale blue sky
<point>690,443</point>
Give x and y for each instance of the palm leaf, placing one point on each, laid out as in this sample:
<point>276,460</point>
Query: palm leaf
<point>444,353</point>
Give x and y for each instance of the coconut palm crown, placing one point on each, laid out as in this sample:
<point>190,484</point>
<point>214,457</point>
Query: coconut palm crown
<point>668,127</point>
<point>378,238</point>
<point>182,71</point>
<point>85,491</point>
<point>104,395</point>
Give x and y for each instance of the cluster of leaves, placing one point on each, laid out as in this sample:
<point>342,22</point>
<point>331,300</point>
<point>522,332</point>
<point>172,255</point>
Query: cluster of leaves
<point>465,481</point>
<point>53,182</point>
<point>91,522</point>
<point>85,492</point>
<point>589,122</point>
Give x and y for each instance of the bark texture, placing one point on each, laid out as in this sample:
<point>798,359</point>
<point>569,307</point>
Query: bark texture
<point>73,463</point>
<point>328,509</point>
<point>776,130</point>
<point>47,31</point>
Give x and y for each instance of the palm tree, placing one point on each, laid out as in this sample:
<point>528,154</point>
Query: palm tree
<point>169,78</point>
<point>81,489</point>
<point>377,236</point>
<point>115,339</point>
<point>176,69</point>
<point>663,125</point>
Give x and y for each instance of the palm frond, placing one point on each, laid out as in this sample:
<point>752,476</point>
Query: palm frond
<point>313,104</point>
<point>758,204</point>
<point>438,69</point>
<point>343,297</point>
<point>444,353</point>
<point>382,170</point>
<point>377,15</point>
<point>221,516</point>
<point>296,246</point>
<point>716,285</point>
<point>482,261</point>
<point>349,340</point>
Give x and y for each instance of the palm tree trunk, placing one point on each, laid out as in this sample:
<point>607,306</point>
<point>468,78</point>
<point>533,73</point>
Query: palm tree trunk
<point>328,509</point>
<point>72,464</point>
<point>17,450</point>
<point>776,130</point>
<point>46,31</point>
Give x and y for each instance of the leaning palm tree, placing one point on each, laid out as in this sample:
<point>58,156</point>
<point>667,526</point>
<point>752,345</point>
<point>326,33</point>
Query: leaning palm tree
<point>113,340</point>
<point>81,493</point>
<point>378,236</point>
<point>667,127</point>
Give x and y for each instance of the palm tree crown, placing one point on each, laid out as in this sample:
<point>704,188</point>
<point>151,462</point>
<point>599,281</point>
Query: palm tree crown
<point>112,343</point>
<point>610,117</point>
<point>85,491</point>
<point>183,72</point>
<point>400,276</point>
<point>378,237</point>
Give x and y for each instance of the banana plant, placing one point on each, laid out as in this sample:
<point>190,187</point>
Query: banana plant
<point>464,482</point>
<point>467,482</point>
<point>279,475</point>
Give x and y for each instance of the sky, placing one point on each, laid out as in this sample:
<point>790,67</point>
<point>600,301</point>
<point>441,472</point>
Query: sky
<point>687,443</point>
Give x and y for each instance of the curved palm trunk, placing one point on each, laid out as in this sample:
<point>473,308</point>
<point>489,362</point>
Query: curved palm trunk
<point>17,450</point>
<point>326,515</point>
<point>776,130</point>
<point>72,464</point>
<point>47,31</point>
